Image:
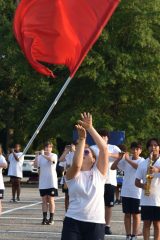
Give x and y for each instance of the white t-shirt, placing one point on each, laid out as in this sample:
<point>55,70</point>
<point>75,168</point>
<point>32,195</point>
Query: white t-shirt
<point>15,167</point>
<point>128,187</point>
<point>67,161</point>
<point>2,160</point>
<point>111,177</point>
<point>86,196</point>
<point>48,175</point>
<point>154,198</point>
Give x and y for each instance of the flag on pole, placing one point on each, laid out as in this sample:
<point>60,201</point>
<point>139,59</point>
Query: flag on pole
<point>60,31</point>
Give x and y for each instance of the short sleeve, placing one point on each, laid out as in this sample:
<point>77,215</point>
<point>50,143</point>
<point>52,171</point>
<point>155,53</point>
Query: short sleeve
<point>139,171</point>
<point>121,165</point>
<point>2,160</point>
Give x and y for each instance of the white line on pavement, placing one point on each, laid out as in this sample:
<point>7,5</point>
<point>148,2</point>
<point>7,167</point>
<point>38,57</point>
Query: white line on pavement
<point>26,206</point>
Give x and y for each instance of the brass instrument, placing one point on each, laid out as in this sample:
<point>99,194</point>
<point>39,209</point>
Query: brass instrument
<point>149,176</point>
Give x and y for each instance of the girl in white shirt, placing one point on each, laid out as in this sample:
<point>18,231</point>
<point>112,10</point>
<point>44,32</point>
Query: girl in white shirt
<point>130,193</point>
<point>3,164</point>
<point>150,203</point>
<point>48,182</point>
<point>85,217</point>
<point>15,171</point>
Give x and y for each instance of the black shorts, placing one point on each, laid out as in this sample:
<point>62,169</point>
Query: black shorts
<point>75,230</point>
<point>150,213</point>
<point>15,178</point>
<point>131,205</point>
<point>109,195</point>
<point>1,193</point>
<point>53,192</point>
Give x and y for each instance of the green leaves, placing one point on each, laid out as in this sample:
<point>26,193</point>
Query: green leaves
<point>118,81</point>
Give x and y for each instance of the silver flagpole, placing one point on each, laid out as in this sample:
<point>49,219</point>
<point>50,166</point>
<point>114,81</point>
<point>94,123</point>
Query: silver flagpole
<point>46,116</point>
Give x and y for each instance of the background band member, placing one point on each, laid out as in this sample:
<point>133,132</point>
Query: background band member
<point>150,198</point>
<point>48,183</point>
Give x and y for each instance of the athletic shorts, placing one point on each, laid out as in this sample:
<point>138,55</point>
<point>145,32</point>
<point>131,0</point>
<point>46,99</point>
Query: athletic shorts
<point>150,213</point>
<point>109,195</point>
<point>53,192</point>
<point>131,205</point>
<point>75,230</point>
<point>1,193</point>
<point>14,178</point>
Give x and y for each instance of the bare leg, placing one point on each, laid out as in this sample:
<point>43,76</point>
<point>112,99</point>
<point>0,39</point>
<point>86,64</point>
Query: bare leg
<point>14,188</point>
<point>66,201</point>
<point>44,203</point>
<point>136,224</point>
<point>108,215</point>
<point>156,225</point>
<point>146,229</point>
<point>18,188</point>
<point>51,204</point>
<point>117,193</point>
<point>127,223</point>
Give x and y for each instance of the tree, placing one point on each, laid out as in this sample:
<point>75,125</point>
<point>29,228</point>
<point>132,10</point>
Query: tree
<point>118,80</point>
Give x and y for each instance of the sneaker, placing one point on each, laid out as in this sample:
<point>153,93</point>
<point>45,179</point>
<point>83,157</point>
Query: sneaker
<point>128,237</point>
<point>116,202</point>
<point>18,200</point>
<point>108,230</point>
<point>13,200</point>
<point>44,221</point>
<point>133,238</point>
<point>119,202</point>
<point>50,222</point>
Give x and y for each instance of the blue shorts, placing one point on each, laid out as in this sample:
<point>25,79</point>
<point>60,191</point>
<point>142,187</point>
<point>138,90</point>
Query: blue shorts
<point>75,230</point>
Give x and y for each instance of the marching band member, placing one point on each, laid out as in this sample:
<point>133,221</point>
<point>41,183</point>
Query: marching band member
<point>85,217</point>
<point>15,171</point>
<point>3,164</point>
<point>48,183</point>
<point>148,178</point>
<point>130,193</point>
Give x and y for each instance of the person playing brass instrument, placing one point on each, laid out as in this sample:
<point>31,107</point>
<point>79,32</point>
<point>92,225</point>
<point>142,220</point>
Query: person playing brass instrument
<point>148,178</point>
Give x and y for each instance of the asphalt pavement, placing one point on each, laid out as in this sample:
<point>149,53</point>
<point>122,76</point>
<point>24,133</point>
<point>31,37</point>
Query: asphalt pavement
<point>22,221</point>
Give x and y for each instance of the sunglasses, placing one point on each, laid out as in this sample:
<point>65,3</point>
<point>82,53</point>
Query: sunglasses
<point>86,152</point>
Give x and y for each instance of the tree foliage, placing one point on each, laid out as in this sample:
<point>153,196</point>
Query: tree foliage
<point>118,81</point>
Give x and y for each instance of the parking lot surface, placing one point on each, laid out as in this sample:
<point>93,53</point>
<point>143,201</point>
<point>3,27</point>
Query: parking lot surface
<point>22,221</point>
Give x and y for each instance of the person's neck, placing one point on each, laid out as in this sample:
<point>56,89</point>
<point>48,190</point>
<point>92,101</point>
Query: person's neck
<point>155,157</point>
<point>86,167</point>
<point>135,157</point>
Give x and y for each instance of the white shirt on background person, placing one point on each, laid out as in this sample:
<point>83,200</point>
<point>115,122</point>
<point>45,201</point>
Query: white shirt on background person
<point>154,198</point>
<point>47,173</point>
<point>2,160</point>
<point>128,187</point>
<point>15,167</point>
<point>111,177</point>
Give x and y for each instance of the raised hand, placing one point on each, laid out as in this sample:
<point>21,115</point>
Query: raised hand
<point>81,132</point>
<point>86,121</point>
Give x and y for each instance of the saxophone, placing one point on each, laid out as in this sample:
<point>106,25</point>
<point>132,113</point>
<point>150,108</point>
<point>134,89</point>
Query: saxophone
<point>149,176</point>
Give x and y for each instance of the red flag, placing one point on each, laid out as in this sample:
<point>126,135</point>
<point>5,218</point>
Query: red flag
<point>60,31</point>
